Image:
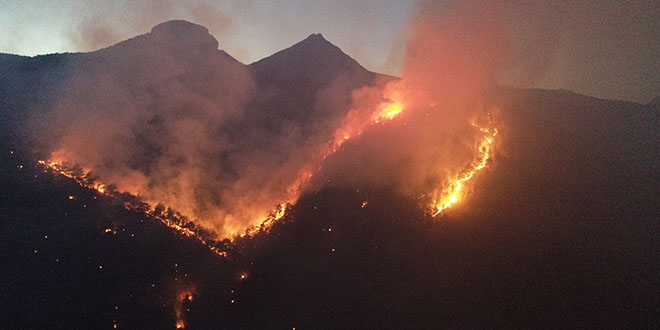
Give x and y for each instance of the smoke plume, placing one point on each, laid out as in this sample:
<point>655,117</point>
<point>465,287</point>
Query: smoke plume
<point>453,56</point>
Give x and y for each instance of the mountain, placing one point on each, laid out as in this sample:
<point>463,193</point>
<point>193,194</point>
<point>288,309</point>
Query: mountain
<point>309,83</point>
<point>176,56</point>
<point>560,230</point>
<point>312,61</point>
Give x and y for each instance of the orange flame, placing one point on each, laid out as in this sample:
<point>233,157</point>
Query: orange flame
<point>451,194</point>
<point>64,170</point>
<point>389,111</point>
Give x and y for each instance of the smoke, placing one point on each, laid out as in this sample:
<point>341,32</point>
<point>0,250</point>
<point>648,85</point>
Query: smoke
<point>154,115</point>
<point>454,53</point>
<point>600,48</point>
<point>169,117</point>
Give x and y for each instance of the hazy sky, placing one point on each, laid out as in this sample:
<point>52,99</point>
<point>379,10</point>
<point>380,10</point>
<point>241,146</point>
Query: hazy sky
<point>248,30</point>
<point>608,49</point>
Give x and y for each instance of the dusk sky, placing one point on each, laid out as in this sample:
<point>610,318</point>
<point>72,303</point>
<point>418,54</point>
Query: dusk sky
<point>607,49</point>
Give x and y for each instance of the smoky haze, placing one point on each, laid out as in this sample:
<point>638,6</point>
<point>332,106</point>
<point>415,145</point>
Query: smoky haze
<point>169,117</point>
<point>158,117</point>
<point>607,49</point>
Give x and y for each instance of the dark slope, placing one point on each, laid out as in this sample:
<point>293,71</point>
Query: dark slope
<point>28,83</point>
<point>74,259</point>
<point>571,201</point>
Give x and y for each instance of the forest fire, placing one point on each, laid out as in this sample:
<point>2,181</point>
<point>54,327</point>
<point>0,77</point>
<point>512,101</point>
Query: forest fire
<point>79,175</point>
<point>353,126</point>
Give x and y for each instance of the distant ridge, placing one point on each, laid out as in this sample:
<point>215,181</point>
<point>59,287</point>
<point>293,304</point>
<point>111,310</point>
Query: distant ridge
<point>178,38</point>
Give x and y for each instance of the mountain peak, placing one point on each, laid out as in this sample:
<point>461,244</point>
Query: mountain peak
<point>184,35</point>
<point>316,42</point>
<point>314,59</point>
<point>315,37</point>
<point>179,27</point>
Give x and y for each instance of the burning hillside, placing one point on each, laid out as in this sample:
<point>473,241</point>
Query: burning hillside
<point>225,144</point>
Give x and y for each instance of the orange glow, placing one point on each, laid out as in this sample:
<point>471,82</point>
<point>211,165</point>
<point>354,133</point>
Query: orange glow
<point>100,188</point>
<point>183,296</point>
<point>64,170</point>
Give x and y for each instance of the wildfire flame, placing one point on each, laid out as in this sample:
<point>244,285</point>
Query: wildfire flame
<point>451,194</point>
<point>389,111</point>
<point>441,198</point>
<point>353,128</point>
